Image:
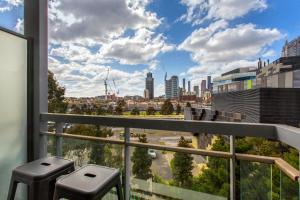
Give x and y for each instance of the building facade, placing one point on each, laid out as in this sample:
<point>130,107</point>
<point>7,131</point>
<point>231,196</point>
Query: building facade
<point>203,87</point>
<point>172,87</point>
<point>291,48</point>
<point>235,80</point>
<point>209,83</point>
<point>196,90</point>
<point>150,86</point>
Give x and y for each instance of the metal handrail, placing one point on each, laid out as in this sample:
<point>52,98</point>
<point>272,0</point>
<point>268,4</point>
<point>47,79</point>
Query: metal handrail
<point>286,134</point>
<point>289,170</point>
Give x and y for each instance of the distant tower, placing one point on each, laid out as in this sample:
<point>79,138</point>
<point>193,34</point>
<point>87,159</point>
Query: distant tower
<point>183,84</point>
<point>189,86</point>
<point>209,85</point>
<point>196,90</point>
<point>172,87</point>
<point>203,87</point>
<point>150,85</point>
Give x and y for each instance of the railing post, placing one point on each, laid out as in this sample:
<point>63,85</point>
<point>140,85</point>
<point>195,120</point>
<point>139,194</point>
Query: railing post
<point>43,140</point>
<point>127,163</point>
<point>58,132</point>
<point>232,169</point>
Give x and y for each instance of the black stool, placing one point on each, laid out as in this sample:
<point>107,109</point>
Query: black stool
<point>90,182</point>
<point>40,175</point>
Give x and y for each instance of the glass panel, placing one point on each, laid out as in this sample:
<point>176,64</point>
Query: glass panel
<point>13,106</point>
<point>167,175</point>
<point>254,180</point>
<point>289,189</point>
<point>84,152</point>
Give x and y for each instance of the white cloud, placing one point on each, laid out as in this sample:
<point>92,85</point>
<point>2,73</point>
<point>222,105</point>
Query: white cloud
<point>138,49</point>
<point>244,41</point>
<point>7,5</point>
<point>219,48</point>
<point>20,26</point>
<point>100,20</point>
<point>197,73</point>
<point>88,79</point>
<point>200,10</point>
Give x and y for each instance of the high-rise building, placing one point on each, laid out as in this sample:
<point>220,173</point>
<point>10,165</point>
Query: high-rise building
<point>196,90</point>
<point>150,85</point>
<point>172,87</point>
<point>203,87</point>
<point>291,48</point>
<point>183,84</point>
<point>209,84</point>
<point>189,86</point>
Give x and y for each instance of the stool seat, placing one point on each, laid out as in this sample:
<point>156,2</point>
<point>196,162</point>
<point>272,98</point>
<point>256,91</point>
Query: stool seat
<point>40,175</point>
<point>43,168</point>
<point>89,182</point>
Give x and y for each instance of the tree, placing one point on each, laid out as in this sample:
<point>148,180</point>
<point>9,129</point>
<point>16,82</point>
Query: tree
<point>141,161</point>
<point>167,108</point>
<point>212,180</point>
<point>110,110</point>
<point>100,110</point>
<point>56,98</point>
<point>150,111</point>
<point>99,153</point>
<point>182,166</point>
<point>178,109</point>
<point>135,111</point>
<point>119,108</point>
<point>188,104</point>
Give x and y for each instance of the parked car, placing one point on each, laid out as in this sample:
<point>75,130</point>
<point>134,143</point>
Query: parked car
<point>152,153</point>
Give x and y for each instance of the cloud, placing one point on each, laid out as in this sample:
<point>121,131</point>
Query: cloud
<point>200,72</point>
<point>219,48</point>
<point>88,79</point>
<point>244,41</point>
<point>200,10</point>
<point>7,5</point>
<point>20,26</point>
<point>99,20</point>
<point>139,49</point>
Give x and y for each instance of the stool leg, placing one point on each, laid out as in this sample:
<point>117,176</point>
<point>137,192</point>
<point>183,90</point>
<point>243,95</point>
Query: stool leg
<point>119,190</point>
<point>12,189</point>
<point>55,196</point>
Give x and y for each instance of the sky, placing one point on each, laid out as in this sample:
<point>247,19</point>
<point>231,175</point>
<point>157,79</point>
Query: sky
<point>188,38</point>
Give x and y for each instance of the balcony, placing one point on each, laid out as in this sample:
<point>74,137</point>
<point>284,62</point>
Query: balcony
<point>25,136</point>
<point>249,166</point>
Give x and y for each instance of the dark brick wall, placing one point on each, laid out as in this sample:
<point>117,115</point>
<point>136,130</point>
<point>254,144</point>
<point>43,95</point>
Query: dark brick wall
<point>280,105</point>
<point>265,105</point>
<point>245,102</point>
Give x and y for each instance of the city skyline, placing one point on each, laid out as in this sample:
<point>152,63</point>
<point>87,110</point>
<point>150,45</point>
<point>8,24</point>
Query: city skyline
<point>188,42</point>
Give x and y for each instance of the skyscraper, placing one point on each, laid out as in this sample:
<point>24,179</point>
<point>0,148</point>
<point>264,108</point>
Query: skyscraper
<point>203,87</point>
<point>172,87</point>
<point>150,85</point>
<point>183,84</point>
<point>189,86</point>
<point>209,84</point>
<point>196,90</point>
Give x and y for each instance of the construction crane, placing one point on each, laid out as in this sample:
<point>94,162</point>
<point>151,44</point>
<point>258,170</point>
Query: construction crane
<point>117,90</point>
<point>105,83</point>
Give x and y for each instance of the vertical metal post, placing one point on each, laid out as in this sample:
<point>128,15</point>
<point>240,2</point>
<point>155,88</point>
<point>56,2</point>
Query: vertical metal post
<point>271,173</point>
<point>127,163</point>
<point>36,28</point>
<point>58,132</point>
<point>232,168</point>
<point>43,140</point>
